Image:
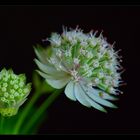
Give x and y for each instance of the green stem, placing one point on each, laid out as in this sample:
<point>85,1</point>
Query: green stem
<point>2,125</point>
<point>42,109</point>
<point>25,111</point>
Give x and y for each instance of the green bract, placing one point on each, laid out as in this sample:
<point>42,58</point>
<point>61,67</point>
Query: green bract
<point>87,65</point>
<point>13,92</point>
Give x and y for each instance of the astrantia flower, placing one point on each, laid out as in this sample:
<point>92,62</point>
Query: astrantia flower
<point>87,65</point>
<point>13,92</point>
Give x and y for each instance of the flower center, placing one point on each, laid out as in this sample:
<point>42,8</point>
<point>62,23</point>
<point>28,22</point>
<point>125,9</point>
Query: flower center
<point>74,75</point>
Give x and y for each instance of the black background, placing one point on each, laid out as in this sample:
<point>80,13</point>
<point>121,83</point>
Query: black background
<point>21,27</point>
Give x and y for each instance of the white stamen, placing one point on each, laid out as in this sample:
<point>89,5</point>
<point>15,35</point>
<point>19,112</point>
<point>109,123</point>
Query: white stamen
<point>89,55</point>
<point>68,53</point>
<point>76,61</point>
<point>96,64</point>
<point>74,73</point>
<point>52,60</point>
<point>59,53</point>
<point>84,44</point>
<point>96,80</point>
<point>86,67</point>
<point>55,39</point>
<point>89,73</point>
<point>100,75</point>
<point>111,90</point>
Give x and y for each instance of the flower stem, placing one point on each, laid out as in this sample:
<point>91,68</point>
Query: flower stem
<point>2,125</point>
<point>25,111</point>
<point>42,109</point>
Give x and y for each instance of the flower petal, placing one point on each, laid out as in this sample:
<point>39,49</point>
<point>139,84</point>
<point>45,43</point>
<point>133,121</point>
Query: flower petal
<point>92,102</point>
<point>55,76</point>
<point>46,76</point>
<point>105,95</point>
<point>41,53</point>
<point>69,91</point>
<point>80,95</point>
<point>58,84</point>
<point>95,105</point>
<point>109,97</point>
<point>45,68</point>
<point>92,93</point>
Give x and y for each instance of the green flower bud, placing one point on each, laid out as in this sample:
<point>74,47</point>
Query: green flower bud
<point>13,92</point>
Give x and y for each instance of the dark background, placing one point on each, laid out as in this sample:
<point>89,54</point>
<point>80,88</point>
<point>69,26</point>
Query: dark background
<point>21,27</point>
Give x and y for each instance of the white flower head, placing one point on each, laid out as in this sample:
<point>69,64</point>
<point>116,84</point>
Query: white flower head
<point>87,67</point>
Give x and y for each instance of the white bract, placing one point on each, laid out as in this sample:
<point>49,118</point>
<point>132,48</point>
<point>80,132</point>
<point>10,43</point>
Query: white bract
<point>87,66</point>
